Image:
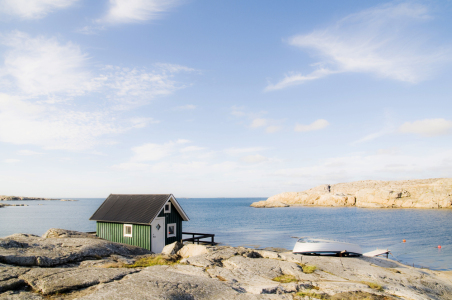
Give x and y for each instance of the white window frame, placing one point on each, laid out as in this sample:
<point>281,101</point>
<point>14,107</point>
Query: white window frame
<point>167,230</point>
<point>131,230</point>
<point>167,211</point>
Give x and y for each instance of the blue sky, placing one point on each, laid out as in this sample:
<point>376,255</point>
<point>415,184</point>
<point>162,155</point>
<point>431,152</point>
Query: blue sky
<point>221,98</point>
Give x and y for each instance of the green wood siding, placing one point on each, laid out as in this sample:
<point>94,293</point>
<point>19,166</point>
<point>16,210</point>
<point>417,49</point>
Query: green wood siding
<point>172,217</point>
<point>141,234</point>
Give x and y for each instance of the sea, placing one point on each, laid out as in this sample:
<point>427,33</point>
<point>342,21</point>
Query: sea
<point>235,223</point>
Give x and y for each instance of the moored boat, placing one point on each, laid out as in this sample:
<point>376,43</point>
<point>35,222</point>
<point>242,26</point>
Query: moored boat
<point>307,246</point>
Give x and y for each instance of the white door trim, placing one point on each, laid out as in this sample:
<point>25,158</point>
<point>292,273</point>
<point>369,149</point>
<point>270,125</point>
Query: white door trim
<point>155,246</point>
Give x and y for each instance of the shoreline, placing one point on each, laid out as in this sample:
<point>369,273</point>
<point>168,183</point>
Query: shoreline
<point>41,268</point>
<point>435,193</point>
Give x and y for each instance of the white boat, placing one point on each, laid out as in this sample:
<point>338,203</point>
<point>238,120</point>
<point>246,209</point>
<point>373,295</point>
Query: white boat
<point>309,246</point>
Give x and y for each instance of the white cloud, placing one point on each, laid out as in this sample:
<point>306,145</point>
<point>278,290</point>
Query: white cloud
<point>133,11</point>
<point>154,152</point>
<point>238,151</point>
<point>383,165</point>
<point>41,66</point>
<point>379,41</point>
<point>273,129</point>
<point>129,88</point>
<point>28,152</point>
<point>253,159</point>
<point>11,161</point>
<point>46,68</point>
<point>238,111</point>
<point>33,9</point>
<point>295,79</point>
<point>55,128</point>
<point>259,122</point>
<point>191,149</point>
<point>371,136</point>
<point>186,107</point>
<point>427,127</point>
<point>44,79</point>
<point>316,125</point>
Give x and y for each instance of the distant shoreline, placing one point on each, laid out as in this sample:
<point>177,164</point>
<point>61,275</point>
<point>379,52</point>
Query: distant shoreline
<point>21,198</point>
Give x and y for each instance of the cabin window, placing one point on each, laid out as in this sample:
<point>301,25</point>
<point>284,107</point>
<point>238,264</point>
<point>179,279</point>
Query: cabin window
<point>171,230</point>
<point>128,230</point>
<point>167,208</point>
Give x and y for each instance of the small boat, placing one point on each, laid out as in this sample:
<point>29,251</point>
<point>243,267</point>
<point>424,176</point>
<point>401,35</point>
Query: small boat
<point>307,246</point>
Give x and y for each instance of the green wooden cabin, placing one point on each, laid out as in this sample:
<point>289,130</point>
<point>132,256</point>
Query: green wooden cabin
<point>147,221</point>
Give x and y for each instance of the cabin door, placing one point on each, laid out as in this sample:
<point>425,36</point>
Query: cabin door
<point>158,235</point>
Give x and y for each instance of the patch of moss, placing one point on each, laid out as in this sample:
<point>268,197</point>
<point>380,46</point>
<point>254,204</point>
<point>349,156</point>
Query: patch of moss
<point>313,295</point>
<point>309,269</point>
<point>151,261</point>
<point>285,279</point>
<point>373,285</point>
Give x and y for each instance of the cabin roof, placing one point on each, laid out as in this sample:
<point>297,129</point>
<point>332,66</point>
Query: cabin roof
<point>133,208</point>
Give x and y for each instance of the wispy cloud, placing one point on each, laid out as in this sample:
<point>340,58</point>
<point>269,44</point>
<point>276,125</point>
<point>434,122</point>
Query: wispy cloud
<point>257,121</point>
<point>379,41</point>
<point>427,127</point>
<point>34,9</point>
<point>316,125</point>
<point>186,107</point>
<point>129,88</point>
<point>238,151</point>
<point>51,127</point>
<point>155,152</point>
<point>28,152</point>
<point>387,165</point>
<point>11,160</point>
<point>253,159</point>
<point>134,11</point>
<point>294,79</point>
<point>43,80</point>
<point>44,66</point>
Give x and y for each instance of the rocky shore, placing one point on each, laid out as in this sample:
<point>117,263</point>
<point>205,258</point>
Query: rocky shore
<point>20,198</point>
<point>66,264</point>
<point>422,193</point>
<point>3,205</point>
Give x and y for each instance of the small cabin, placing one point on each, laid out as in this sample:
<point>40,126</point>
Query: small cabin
<point>147,221</point>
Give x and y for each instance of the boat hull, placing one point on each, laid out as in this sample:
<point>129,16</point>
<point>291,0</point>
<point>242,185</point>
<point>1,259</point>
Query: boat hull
<point>330,248</point>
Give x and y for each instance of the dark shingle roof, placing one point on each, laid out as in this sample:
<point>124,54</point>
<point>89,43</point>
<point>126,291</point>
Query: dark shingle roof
<point>137,209</point>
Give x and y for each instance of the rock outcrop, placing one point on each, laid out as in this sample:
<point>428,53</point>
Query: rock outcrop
<point>3,205</point>
<point>422,193</point>
<point>217,272</point>
<point>21,198</point>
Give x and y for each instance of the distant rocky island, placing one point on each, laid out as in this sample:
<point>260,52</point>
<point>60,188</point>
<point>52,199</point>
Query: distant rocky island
<point>21,198</point>
<point>419,193</point>
<point>66,265</point>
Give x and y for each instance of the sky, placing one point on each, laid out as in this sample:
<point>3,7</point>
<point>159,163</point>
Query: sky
<point>221,98</point>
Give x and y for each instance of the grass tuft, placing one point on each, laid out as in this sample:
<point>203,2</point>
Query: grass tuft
<point>373,285</point>
<point>221,278</point>
<point>285,279</point>
<point>313,295</point>
<point>309,269</point>
<point>151,261</point>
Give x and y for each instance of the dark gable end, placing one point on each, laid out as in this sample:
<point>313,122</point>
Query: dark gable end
<point>133,209</point>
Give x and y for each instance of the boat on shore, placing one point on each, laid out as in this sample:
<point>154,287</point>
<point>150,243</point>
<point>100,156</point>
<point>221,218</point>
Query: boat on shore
<point>308,246</point>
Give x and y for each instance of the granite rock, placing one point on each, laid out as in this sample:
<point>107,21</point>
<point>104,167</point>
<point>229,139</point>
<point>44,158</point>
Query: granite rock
<point>420,193</point>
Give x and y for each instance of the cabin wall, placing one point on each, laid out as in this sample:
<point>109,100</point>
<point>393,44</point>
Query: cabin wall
<point>172,217</point>
<point>141,234</point>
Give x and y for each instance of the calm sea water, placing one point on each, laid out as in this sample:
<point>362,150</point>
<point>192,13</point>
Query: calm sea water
<point>235,223</point>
